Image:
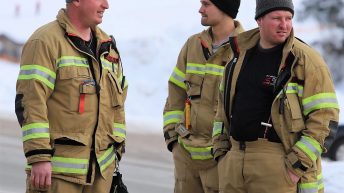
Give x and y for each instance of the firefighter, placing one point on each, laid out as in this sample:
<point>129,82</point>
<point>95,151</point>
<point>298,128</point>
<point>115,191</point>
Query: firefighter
<point>192,98</point>
<point>69,102</point>
<point>277,106</point>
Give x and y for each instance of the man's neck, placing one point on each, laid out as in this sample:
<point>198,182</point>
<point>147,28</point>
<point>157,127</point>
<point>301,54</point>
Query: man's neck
<point>84,30</point>
<point>222,31</point>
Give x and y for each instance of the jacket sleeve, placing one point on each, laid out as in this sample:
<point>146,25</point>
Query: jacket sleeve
<point>120,131</point>
<point>220,137</point>
<point>35,84</point>
<point>320,111</point>
<point>175,103</point>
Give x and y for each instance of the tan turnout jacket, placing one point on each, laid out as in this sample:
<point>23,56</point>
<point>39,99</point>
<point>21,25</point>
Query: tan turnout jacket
<point>303,112</point>
<point>69,114</point>
<point>196,76</point>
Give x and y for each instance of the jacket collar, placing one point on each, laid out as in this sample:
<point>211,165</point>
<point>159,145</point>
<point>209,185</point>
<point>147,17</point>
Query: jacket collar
<point>65,23</point>
<point>249,39</point>
<point>206,35</point>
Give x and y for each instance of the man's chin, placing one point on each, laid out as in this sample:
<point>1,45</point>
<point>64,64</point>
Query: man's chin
<point>204,23</point>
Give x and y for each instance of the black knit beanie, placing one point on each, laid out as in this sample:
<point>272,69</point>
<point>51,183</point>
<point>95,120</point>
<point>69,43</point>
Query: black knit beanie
<point>266,6</point>
<point>229,7</point>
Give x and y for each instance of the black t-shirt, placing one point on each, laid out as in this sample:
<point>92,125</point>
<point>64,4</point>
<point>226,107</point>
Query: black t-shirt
<point>254,93</point>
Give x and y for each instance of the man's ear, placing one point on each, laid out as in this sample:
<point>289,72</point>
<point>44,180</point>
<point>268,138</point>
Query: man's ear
<point>259,21</point>
<point>76,2</point>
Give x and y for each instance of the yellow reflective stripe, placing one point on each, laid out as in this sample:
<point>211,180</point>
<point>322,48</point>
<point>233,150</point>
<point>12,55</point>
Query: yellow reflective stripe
<point>308,187</point>
<point>198,153</point>
<point>178,78</point>
<point>172,117</point>
<point>107,65</point>
<point>35,130</point>
<point>320,181</point>
<point>45,75</point>
<point>65,61</point>
<point>294,88</point>
<point>222,87</point>
<point>217,128</point>
<point>69,165</point>
<point>119,130</point>
<point>310,146</point>
<point>107,158</point>
<point>319,101</point>
<point>192,68</point>
<point>214,69</point>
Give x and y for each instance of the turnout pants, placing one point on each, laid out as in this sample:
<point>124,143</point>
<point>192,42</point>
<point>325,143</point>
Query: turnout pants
<point>198,176</point>
<point>255,167</point>
<point>100,185</point>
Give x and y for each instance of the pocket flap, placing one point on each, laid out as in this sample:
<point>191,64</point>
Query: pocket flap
<point>114,80</point>
<point>194,83</point>
<point>77,140</point>
<point>73,72</point>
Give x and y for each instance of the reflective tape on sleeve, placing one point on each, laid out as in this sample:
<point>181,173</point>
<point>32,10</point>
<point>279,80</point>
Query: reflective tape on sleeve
<point>309,146</point>
<point>198,153</point>
<point>308,187</point>
<point>319,101</point>
<point>119,130</point>
<point>37,72</point>
<point>172,117</point>
<point>35,130</point>
<point>178,78</point>
<point>107,158</point>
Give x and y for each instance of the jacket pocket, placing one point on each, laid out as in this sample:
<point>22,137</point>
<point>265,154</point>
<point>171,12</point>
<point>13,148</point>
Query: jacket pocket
<point>71,146</point>
<point>297,122</point>
<point>72,72</point>
<point>194,85</point>
<point>116,90</point>
<point>110,140</point>
<point>63,139</point>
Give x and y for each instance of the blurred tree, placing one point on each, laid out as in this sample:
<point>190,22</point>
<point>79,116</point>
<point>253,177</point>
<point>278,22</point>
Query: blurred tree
<point>329,15</point>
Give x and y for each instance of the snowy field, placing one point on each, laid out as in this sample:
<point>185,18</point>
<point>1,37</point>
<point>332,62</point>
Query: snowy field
<point>149,35</point>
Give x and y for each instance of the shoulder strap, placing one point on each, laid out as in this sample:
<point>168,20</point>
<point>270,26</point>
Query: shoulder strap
<point>113,42</point>
<point>284,74</point>
<point>205,49</point>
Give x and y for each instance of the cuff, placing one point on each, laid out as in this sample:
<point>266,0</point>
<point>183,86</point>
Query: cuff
<point>295,165</point>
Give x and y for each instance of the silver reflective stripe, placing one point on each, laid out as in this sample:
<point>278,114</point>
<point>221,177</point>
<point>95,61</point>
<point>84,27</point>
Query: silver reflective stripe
<point>69,165</point>
<point>38,72</point>
<point>214,69</point>
<point>308,187</point>
<point>295,88</point>
<point>177,77</point>
<point>106,64</point>
<point>71,61</point>
<point>310,146</point>
<point>107,159</point>
<point>195,69</point>
<point>35,130</point>
<point>201,154</point>
<point>172,117</point>
<point>309,190</point>
<point>319,101</point>
<point>217,128</point>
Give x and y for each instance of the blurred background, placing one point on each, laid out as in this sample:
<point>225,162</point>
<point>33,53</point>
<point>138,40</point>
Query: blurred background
<point>149,36</point>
